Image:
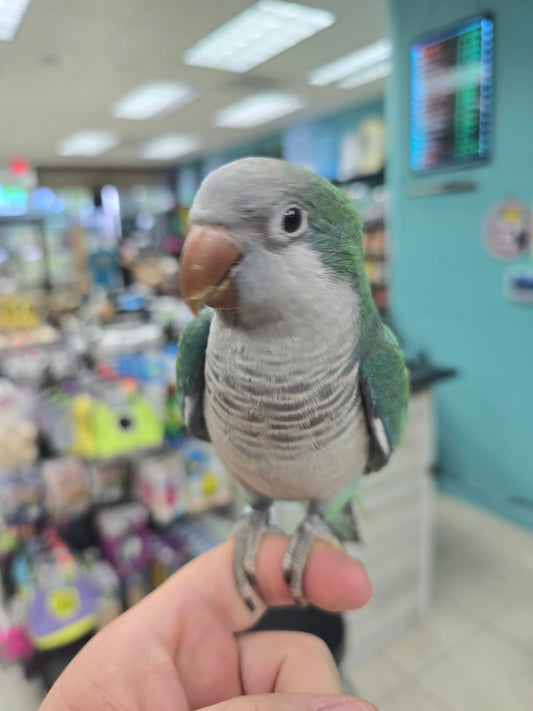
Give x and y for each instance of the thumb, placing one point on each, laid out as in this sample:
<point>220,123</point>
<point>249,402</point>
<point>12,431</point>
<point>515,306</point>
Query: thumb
<point>293,702</point>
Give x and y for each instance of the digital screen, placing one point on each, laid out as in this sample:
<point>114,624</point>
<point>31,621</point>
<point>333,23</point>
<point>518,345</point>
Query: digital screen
<point>451,96</point>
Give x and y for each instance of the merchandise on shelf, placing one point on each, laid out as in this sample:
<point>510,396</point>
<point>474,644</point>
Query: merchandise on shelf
<point>201,533</point>
<point>104,429</point>
<point>17,442</point>
<point>21,494</point>
<point>168,311</point>
<point>34,365</point>
<point>129,337</point>
<point>20,324</point>
<point>67,488</point>
<point>169,553</point>
<point>107,583</point>
<point>61,598</point>
<point>152,372</point>
<point>20,483</point>
<point>104,264</point>
<point>15,644</point>
<point>207,481</point>
<point>100,419</point>
<point>161,484</point>
<point>124,537</point>
<point>136,585</point>
<point>109,480</point>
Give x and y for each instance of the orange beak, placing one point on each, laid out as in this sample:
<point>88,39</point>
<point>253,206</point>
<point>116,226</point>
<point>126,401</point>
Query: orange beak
<point>208,257</point>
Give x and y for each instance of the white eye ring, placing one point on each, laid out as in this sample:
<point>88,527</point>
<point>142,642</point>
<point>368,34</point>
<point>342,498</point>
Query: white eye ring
<point>290,224</point>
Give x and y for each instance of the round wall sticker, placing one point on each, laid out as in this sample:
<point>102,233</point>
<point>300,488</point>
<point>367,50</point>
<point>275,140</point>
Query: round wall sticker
<point>506,229</point>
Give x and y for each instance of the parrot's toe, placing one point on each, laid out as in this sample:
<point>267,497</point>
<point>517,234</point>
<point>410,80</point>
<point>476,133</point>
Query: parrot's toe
<point>249,531</point>
<point>311,529</point>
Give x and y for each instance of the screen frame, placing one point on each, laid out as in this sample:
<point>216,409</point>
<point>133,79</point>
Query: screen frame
<point>432,37</point>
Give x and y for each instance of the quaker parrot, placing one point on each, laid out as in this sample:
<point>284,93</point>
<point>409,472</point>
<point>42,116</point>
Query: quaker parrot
<point>289,371</point>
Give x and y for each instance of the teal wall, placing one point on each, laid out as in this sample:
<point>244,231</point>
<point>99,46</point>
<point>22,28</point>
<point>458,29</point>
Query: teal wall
<point>316,143</point>
<point>447,292</point>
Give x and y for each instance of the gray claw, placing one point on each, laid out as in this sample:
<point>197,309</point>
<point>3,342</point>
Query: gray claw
<point>249,531</point>
<point>311,529</point>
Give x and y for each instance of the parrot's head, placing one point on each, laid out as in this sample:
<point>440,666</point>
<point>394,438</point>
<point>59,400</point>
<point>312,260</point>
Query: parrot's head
<point>267,239</point>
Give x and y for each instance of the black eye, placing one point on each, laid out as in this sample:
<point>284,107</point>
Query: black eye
<point>292,219</point>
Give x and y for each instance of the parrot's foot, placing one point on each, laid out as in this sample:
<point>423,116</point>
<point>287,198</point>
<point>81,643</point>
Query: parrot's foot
<point>249,531</point>
<point>311,529</point>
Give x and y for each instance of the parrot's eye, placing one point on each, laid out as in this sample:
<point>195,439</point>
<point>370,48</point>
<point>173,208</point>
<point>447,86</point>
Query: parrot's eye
<point>292,219</point>
<point>288,224</point>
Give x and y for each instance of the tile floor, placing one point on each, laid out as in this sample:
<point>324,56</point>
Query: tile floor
<point>473,653</point>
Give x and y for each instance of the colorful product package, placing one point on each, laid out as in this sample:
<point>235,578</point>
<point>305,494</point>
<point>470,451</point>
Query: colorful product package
<point>62,599</point>
<point>21,495</point>
<point>67,488</point>
<point>207,480</point>
<point>107,429</point>
<point>125,537</point>
<point>161,484</point>
<point>109,480</point>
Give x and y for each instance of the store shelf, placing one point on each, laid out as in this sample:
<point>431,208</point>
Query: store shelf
<point>372,179</point>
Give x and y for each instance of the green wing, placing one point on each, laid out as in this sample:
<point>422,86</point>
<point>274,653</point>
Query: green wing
<point>190,377</point>
<point>384,382</point>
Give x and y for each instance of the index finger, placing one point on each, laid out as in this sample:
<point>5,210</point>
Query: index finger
<point>333,581</point>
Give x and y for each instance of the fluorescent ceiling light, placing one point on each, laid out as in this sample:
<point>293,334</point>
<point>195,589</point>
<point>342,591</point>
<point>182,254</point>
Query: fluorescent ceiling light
<point>258,109</point>
<point>87,143</point>
<point>365,76</point>
<point>169,147</point>
<point>262,31</point>
<point>153,99</point>
<point>11,15</point>
<point>351,65</point>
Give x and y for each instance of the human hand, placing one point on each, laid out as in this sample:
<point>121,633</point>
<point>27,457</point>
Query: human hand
<point>183,647</point>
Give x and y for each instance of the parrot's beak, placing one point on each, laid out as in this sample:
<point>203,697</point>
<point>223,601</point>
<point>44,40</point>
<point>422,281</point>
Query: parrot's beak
<point>207,262</point>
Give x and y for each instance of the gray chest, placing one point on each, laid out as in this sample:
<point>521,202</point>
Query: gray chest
<point>285,415</point>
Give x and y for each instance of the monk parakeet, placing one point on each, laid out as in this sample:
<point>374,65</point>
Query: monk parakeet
<point>290,373</point>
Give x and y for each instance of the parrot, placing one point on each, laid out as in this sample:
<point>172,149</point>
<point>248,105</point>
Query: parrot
<point>288,368</point>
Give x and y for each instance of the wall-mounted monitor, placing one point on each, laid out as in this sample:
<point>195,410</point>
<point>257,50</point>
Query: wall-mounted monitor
<point>452,73</point>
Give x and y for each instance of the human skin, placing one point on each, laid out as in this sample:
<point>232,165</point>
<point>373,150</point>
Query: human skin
<point>185,646</point>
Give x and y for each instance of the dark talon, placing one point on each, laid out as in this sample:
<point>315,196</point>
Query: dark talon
<point>249,531</point>
<point>312,528</point>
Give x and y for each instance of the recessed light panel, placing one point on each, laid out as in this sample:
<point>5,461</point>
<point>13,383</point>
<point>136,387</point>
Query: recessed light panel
<point>352,65</point>
<point>169,147</point>
<point>258,109</point>
<point>259,33</point>
<point>154,99</point>
<point>11,15</point>
<point>87,143</point>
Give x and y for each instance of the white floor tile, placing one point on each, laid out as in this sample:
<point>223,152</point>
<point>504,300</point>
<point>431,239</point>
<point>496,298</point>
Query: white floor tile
<point>374,678</point>
<point>482,563</point>
<point>412,696</point>
<point>504,538</point>
<point>18,693</point>
<point>517,622</point>
<point>444,628</point>
<point>486,672</point>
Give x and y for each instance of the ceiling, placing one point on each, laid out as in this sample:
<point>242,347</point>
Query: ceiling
<point>72,59</point>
